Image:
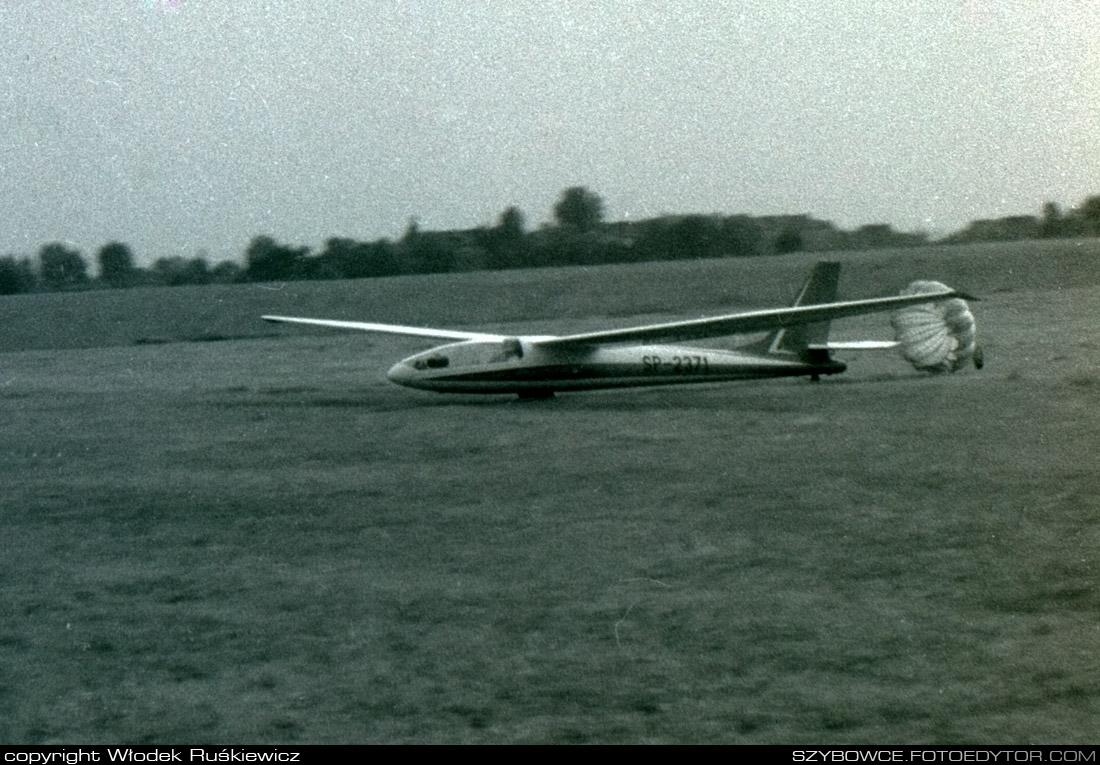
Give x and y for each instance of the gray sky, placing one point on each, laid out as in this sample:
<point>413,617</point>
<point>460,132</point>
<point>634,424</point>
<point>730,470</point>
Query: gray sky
<point>185,125</point>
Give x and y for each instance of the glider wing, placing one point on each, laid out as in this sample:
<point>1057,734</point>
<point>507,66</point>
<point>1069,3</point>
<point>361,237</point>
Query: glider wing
<point>749,321</point>
<point>390,329</point>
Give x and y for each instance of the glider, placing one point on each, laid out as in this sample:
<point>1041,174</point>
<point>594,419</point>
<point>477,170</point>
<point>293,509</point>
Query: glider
<point>537,366</point>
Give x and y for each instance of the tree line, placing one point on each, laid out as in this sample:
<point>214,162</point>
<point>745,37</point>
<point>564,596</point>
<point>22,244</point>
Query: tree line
<point>1053,223</point>
<point>60,267</point>
<point>578,236</point>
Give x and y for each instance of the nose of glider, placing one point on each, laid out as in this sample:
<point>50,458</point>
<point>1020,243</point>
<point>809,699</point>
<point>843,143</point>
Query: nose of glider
<point>401,373</point>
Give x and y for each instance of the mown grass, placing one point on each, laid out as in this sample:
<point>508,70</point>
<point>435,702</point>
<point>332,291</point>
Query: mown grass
<point>262,541</point>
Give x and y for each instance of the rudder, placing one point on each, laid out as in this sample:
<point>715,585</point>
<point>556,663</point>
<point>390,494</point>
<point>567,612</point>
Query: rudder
<point>821,287</point>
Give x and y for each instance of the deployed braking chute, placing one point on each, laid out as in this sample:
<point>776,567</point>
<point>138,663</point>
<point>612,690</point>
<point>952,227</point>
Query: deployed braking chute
<point>937,336</point>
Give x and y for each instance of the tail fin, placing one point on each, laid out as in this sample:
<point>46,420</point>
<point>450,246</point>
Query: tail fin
<point>798,339</point>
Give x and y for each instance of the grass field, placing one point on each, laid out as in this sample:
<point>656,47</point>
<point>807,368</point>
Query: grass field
<point>261,540</point>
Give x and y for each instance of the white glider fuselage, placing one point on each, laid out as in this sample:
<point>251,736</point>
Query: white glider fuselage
<point>526,366</point>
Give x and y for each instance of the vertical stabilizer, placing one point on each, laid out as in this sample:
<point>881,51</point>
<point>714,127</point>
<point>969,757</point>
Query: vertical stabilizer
<point>819,288</point>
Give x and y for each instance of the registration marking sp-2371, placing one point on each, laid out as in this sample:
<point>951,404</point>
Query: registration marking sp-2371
<point>682,365</point>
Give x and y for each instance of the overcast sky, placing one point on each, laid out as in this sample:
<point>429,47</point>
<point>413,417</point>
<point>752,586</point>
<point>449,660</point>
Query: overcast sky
<point>179,126</point>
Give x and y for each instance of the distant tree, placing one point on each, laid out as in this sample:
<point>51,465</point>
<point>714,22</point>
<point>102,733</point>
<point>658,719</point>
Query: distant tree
<point>579,208</point>
<point>412,231</point>
<point>116,265</point>
<point>510,224</point>
<point>1051,220</point>
<point>16,276</point>
<point>695,236</point>
<point>267,260</point>
<point>871,236</point>
<point>345,258</point>
<point>506,243</point>
<point>1089,212</point>
<point>227,272</point>
<point>427,252</point>
<point>741,237</point>
<point>175,271</point>
<point>788,241</point>
<point>61,267</point>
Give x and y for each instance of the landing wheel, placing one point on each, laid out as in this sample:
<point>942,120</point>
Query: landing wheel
<point>535,393</point>
<point>815,378</point>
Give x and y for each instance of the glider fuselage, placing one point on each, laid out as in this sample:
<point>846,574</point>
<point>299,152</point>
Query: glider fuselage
<point>524,366</point>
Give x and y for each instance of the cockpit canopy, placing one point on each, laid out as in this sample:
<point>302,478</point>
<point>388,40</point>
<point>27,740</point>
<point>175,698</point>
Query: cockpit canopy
<point>469,354</point>
<point>431,361</point>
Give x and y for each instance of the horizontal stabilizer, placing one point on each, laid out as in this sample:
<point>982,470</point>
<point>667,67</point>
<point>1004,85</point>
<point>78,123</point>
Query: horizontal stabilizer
<point>855,345</point>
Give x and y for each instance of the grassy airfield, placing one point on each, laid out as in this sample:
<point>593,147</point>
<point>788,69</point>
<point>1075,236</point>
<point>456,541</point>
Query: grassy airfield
<point>261,540</point>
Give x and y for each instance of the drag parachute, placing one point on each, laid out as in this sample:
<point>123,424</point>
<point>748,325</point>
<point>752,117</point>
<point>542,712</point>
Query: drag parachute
<point>937,336</point>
